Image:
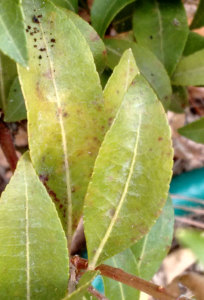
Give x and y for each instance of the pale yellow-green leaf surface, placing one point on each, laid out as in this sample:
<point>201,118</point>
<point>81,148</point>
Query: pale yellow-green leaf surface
<point>131,175</point>
<point>33,247</point>
<point>64,103</point>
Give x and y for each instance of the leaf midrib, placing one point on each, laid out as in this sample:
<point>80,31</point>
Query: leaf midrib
<point>64,144</point>
<point>93,263</point>
<point>2,87</point>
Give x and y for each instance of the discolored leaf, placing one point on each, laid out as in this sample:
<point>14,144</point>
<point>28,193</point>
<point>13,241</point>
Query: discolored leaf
<point>144,258</point>
<point>12,33</point>
<point>150,67</point>
<point>82,286</point>
<point>162,27</point>
<point>15,105</point>
<point>70,4</point>
<point>195,42</point>
<point>198,20</point>
<point>64,103</point>
<point>33,251</point>
<point>95,42</point>
<point>131,176</point>
<point>8,73</point>
<point>190,70</point>
<point>118,84</point>
<point>194,240</point>
<point>103,12</point>
<point>179,99</point>
<point>194,131</point>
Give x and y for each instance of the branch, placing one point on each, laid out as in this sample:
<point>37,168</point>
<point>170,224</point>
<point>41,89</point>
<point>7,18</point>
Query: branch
<point>6,142</point>
<point>147,287</point>
<point>96,294</point>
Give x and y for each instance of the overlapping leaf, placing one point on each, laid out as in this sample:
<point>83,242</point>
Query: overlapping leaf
<point>118,84</point>
<point>131,175</point>
<point>70,4</point>
<point>190,70</point>
<point>103,12</point>
<point>15,106</point>
<point>162,27</point>
<point>198,20</point>
<point>179,99</point>
<point>150,67</point>
<point>95,43</point>
<point>12,33</point>
<point>8,73</point>
<point>65,107</point>
<point>33,251</point>
<point>144,258</point>
<point>194,131</point>
<point>195,42</point>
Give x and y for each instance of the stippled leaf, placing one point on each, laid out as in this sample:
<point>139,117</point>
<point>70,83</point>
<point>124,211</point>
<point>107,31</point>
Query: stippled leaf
<point>64,105</point>
<point>131,175</point>
<point>7,74</point>
<point>144,258</point>
<point>194,240</point>
<point>82,286</point>
<point>198,20</point>
<point>150,67</point>
<point>190,70</point>
<point>33,251</point>
<point>95,43</point>
<point>103,12</point>
<point>70,4</point>
<point>118,84</point>
<point>194,131</point>
<point>12,33</point>
<point>162,27</point>
<point>179,99</point>
<point>195,42</point>
<point>15,105</point>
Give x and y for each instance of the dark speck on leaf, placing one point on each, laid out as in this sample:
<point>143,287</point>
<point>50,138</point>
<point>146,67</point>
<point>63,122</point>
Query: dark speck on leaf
<point>151,37</point>
<point>40,56</point>
<point>53,40</point>
<point>35,20</point>
<point>160,138</point>
<point>35,46</point>
<point>27,30</point>
<point>42,49</point>
<point>40,16</point>
<point>35,40</point>
<point>73,189</point>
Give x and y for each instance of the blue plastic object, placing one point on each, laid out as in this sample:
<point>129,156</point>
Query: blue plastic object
<point>187,190</point>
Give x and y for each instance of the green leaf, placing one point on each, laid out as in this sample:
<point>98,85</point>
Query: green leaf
<point>70,4</point>
<point>15,105</point>
<point>198,20</point>
<point>194,240</point>
<point>150,67</point>
<point>118,84</point>
<point>190,70</point>
<point>195,42</point>
<point>131,175</point>
<point>162,27</point>
<point>7,74</point>
<point>84,283</point>
<point>194,131</point>
<point>63,96</point>
<point>33,253</point>
<point>144,258</point>
<point>103,12</point>
<point>12,33</point>
<point>95,43</point>
<point>179,99</point>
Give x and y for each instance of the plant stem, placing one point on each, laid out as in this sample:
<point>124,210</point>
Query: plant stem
<point>6,142</point>
<point>96,294</point>
<point>158,292</point>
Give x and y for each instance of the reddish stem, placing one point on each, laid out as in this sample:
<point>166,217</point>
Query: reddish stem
<point>147,287</point>
<point>6,142</point>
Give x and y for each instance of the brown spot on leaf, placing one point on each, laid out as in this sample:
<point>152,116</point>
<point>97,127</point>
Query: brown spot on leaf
<point>110,120</point>
<point>73,190</point>
<point>160,138</point>
<point>94,37</point>
<point>35,20</point>
<point>104,52</point>
<point>112,212</point>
